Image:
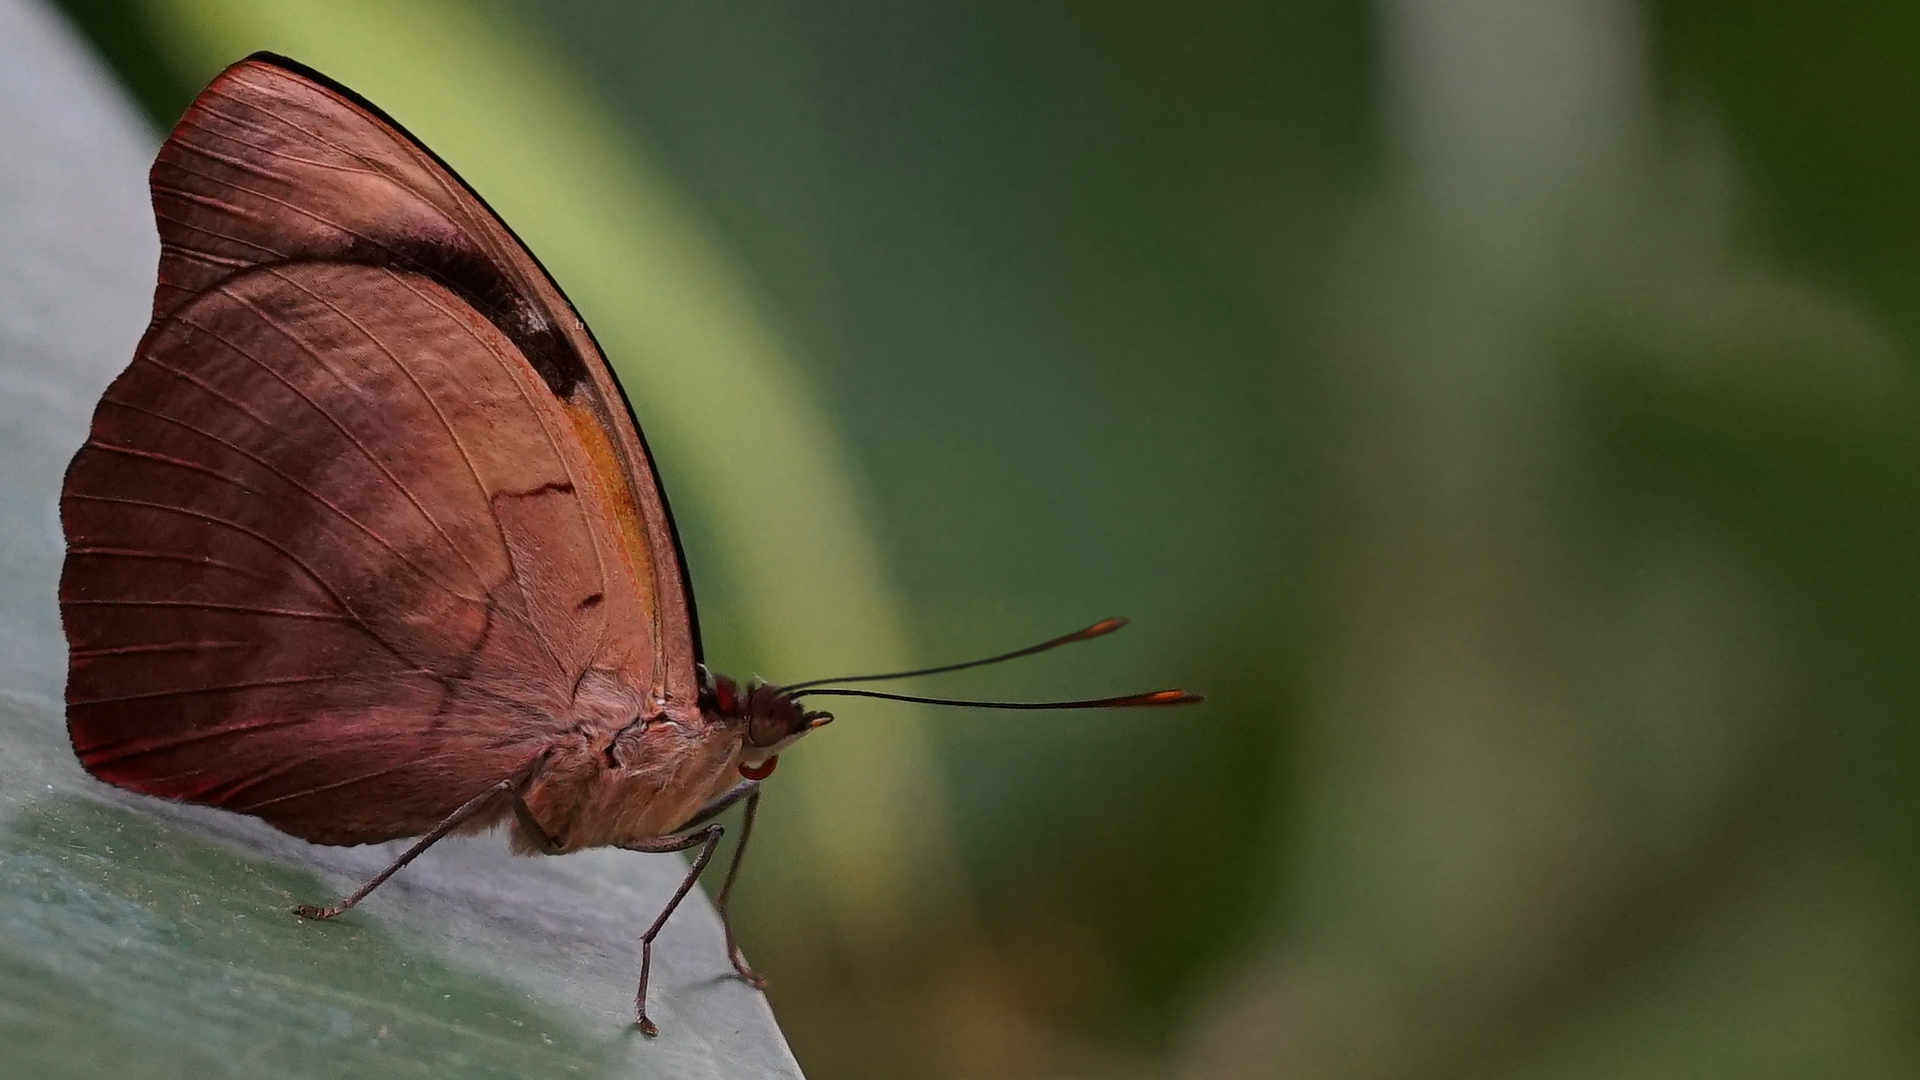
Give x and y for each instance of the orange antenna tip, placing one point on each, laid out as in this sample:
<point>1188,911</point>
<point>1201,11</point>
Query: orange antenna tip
<point>1175,696</point>
<point>1104,626</point>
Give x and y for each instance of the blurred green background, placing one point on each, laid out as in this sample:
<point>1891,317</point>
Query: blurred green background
<point>1505,410</point>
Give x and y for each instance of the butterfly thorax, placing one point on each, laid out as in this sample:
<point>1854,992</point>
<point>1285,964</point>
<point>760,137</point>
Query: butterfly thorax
<point>656,772</point>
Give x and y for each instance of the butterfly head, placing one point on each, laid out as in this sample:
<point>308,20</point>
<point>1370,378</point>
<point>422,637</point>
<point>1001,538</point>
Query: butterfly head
<point>770,720</point>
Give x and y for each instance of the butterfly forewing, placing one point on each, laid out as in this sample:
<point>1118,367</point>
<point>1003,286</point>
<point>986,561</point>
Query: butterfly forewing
<point>275,162</point>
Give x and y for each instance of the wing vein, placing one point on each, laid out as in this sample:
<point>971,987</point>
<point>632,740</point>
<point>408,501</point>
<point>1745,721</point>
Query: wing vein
<point>342,428</point>
<point>291,206</point>
<point>208,605</point>
<point>284,551</point>
<point>187,194</point>
<point>179,251</point>
<point>183,223</point>
<point>270,467</point>
<point>250,125</point>
<point>163,459</point>
<point>348,782</point>
<point>171,556</point>
<point>227,688</point>
<point>208,388</point>
<point>552,442</point>
<point>164,647</point>
<point>465,458</point>
<point>131,748</point>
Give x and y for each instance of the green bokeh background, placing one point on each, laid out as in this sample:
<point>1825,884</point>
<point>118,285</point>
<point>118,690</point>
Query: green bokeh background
<point>1505,411</point>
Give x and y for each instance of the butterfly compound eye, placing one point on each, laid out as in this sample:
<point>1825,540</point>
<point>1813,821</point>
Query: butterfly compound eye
<point>772,717</point>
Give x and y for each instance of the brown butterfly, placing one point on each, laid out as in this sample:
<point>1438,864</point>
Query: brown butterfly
<point>366,541</point>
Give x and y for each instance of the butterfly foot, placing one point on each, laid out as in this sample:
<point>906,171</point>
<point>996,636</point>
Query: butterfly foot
<point>747,974</point>
<point>308,911</point>
<point>646,1027</point>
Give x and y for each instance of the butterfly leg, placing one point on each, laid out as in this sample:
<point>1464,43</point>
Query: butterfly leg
<point>749,790</point>
<point>467,809</point>
<point>734,954</point>
<point>531,826</point>
<point>713,809</point>
<point>707,839</point>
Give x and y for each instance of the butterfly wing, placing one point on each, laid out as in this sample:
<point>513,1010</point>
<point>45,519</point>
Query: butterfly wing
<point>365,526</point>
<point>275,161</point>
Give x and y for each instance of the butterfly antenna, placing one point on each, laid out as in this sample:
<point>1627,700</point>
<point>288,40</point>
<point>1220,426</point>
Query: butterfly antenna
<point>1158,697</point>
<point>1099,629</point>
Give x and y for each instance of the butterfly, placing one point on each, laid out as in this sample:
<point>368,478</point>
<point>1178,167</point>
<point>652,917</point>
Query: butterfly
<point>366,541</point>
